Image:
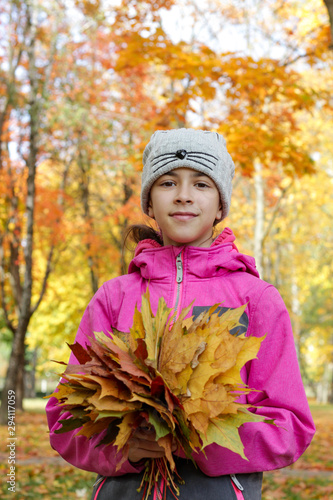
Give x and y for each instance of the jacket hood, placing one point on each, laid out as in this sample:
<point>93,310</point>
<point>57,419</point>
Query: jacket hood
<point>153,260</point>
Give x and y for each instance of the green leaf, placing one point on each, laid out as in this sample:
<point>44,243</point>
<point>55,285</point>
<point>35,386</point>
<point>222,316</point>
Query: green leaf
<point>160,426</point>
<point>224,431</point>
<point>69,424</point>
<point>106,414</point>
<point>111,433</point>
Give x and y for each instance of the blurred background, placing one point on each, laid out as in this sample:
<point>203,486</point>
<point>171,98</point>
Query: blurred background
<point>84,84</point>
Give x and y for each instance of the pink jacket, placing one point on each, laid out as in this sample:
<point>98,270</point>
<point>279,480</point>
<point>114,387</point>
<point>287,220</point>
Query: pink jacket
<point>219,274</point>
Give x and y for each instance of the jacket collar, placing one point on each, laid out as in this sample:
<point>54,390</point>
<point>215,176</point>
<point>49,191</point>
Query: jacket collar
<point>227,236</point>
<point>153,261</point>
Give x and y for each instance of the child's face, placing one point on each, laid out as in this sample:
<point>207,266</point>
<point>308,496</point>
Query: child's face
<point>185,204</point>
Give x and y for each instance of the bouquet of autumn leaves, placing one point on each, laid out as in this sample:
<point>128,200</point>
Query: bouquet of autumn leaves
<point>179,377</point>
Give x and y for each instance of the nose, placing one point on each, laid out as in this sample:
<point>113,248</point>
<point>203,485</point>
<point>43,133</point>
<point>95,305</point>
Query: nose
<point>184,194</point>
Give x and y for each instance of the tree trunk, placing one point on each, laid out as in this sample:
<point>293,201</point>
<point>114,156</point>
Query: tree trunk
<point>20,387</point>
<point>16,361</point>
<point>296,313</point>
<point>295,303</point>
<point>277,265</point>
<point>30,376</point>
<point>37,79</point>
<point>329,5</point>
<point>330,397</point>
<point>260,217</point>
<point>14,377</point>
<point>330,366</point>
<point>85,196</point>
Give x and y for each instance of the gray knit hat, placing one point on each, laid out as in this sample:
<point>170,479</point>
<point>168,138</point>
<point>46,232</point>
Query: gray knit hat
<point>201,150</point>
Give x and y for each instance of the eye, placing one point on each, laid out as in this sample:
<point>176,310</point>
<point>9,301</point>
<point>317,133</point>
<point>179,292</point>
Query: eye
<point>167,183</point>
<point>202,184</point>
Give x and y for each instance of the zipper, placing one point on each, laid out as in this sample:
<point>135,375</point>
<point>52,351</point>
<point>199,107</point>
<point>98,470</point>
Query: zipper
<point>99,485</point>
<point>158,490</point>
<point>179,281</point>
<point>98,480</point>
<point>236,482</point>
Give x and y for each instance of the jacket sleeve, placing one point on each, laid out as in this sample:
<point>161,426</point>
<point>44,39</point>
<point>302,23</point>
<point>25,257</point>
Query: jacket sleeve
<point>275,373</point>
<point>78,450</point>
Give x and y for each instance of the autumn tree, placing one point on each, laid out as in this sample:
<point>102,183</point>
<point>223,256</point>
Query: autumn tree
<point>28,53</point>
<point>260,104</point>
<point>93,135</point>
<point>122,72</point>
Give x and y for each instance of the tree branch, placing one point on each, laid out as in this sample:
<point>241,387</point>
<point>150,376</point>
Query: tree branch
<point>300,56</point>
<point>275,212</point>
<point>46,277</point>
<point>8,322</point>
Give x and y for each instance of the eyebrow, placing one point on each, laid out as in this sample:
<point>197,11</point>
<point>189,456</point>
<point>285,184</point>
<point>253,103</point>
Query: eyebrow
<point>173,173</point>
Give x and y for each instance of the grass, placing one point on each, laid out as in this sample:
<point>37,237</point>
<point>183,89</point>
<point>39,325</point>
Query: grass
<point>39,475</point>
<point>306,482</point>
<point>36,405</point>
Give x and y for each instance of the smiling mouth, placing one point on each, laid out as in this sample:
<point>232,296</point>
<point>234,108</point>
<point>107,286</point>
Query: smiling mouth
<point>183,216</point>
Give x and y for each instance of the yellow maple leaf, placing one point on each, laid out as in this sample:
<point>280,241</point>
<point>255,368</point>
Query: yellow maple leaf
<point>125,430</point>
<point>181,383</point>
<point>62,392</point>
<point>109,403</point>
<point>150,332</point>
<point>221,352</point>
<point>200,422</point>
<point>248,351</point>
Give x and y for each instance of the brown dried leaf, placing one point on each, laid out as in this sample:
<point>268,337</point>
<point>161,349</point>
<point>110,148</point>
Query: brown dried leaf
<point>91,428</point>
<point>79,352</point>
<point>166,443</point>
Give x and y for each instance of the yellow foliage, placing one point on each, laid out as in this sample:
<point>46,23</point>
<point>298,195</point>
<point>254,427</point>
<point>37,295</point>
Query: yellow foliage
<point>171,374</point>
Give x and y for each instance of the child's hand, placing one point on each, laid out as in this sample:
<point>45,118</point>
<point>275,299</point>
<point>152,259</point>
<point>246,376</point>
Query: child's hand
<point>143,444</point>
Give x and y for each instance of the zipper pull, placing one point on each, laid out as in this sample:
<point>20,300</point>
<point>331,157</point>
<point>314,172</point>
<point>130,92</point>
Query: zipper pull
<point>179,264</point>
<point>236,482</point>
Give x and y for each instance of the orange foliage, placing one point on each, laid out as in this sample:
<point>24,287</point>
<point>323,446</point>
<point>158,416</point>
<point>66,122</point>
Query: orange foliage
<point>114,82</point>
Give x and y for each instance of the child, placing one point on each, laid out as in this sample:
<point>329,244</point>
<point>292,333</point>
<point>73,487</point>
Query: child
<point>186,188</point>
